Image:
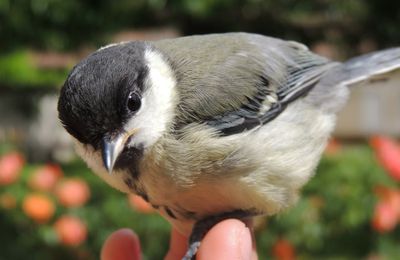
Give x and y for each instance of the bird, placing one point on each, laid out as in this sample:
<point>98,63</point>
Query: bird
<point>209,127</point>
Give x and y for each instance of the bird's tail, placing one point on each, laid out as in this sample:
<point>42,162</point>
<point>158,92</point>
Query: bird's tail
<point>332,91</point>
<point>366,67</point>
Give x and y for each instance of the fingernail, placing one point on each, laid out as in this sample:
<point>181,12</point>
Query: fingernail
<point>245,245</point>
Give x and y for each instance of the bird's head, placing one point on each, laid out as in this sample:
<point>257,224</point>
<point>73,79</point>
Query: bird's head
<point>118,102</point>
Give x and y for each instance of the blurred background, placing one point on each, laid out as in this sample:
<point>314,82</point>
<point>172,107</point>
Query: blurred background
<point>52,207</point>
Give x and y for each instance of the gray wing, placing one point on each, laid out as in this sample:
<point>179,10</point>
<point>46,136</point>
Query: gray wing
<point>235,82</point>
<point>265,106</point>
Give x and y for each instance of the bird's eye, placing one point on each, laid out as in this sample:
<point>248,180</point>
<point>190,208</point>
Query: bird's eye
<point>134,102</point>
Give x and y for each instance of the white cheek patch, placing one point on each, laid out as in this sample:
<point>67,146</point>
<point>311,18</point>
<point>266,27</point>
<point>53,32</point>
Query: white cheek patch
<point>158,102</point>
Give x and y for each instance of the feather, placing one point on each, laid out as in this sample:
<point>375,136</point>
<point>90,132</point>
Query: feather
<point>248,80</point>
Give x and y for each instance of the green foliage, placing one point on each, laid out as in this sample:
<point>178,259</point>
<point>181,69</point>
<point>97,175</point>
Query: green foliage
<point>16,69</point>
<point>107,210</point>
<point>62,25</point>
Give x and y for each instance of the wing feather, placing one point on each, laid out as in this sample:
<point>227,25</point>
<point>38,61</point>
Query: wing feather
<point>300,80</point>
<point>247,80</point>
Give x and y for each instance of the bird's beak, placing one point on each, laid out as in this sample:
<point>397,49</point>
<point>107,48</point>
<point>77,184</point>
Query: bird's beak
<point>112,148</point>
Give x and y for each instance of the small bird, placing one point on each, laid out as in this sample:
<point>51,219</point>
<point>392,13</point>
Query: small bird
<point>210,127</point>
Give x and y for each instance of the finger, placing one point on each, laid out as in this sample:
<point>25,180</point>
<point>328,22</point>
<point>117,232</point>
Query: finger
<point>254,255</point>
<point>249,223</point>
<point>229,239</point>
<point>177,246</point>
<point>121,245</point>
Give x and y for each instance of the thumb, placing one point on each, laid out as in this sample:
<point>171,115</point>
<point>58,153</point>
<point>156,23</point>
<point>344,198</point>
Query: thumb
<point>229,239</point>
<point>121,245</point>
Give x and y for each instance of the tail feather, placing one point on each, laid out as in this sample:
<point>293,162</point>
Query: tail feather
<point>368,66</point>
<point>363,68</point>
<point>332,91</point>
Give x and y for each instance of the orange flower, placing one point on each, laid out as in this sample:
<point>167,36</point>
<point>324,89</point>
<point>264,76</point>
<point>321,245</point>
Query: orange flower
<point>139,204</point>
<point>283,250</point>
<point>11,165</point>
<point>70,230</point>
<point>388,154</point>
<point>73,192</point>
<point>390,196</point>
<point>38,207</point>
<point>385,217</point>
<point>44,178</point>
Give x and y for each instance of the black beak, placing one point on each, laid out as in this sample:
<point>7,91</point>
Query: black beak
<point>112,148</point>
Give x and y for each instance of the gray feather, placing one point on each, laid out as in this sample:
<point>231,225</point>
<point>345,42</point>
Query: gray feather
<point>332,91</point>
<point>229,91</point>
<point>367,66</point>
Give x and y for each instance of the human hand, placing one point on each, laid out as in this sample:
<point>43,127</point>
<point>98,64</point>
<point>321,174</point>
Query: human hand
<point>229,239</point>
